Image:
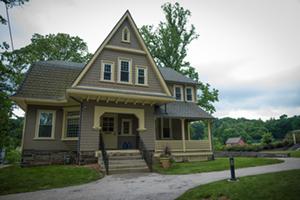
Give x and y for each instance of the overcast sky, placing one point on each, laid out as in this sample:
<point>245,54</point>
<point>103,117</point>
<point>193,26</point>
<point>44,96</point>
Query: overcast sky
<point>248,49</point>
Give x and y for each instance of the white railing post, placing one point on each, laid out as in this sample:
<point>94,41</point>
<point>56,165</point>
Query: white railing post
<point>183,134</point>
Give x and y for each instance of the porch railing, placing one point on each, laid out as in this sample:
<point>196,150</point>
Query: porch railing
<point>177,145</point>
<point>146,154</point>
<point>105,157</point>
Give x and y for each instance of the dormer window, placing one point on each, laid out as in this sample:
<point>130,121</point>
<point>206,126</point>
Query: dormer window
<point>125,35</point>
<point>178,92</point>
<point>107,71</point>
<point>189,94</point>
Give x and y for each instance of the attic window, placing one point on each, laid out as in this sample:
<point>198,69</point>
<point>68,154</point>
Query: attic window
<point>125,35</point>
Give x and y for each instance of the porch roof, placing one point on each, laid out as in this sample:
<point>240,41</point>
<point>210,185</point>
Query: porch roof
<point>180,109</point>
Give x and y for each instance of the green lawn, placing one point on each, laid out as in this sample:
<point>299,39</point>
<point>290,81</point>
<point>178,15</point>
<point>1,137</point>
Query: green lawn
<point>273,186</point>
<point>218,164</point>
<point>15,179</point>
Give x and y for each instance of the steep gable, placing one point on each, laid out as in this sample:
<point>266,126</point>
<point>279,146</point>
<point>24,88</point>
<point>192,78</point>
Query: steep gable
<point>112,49</point>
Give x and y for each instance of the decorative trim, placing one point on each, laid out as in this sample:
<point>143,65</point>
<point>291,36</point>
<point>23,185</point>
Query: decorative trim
<point>37,124</point>
<point>128,35</point>
<point>181,89</point>
<point>137,67</point>
<point>125,49</point>
<point>39,100</point>
<point>140,39</point>
<point>192,92</point>
<point>64,126</point>
<point>129,60</point>
<point>112,64</point>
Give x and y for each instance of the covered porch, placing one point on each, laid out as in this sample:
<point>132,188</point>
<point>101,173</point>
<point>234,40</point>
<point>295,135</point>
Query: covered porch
<point>173,130</point>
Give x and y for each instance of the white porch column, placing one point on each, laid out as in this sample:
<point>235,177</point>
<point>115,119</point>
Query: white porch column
<point>209,134</point>
<point>189,131</point>
<point>183,134</point>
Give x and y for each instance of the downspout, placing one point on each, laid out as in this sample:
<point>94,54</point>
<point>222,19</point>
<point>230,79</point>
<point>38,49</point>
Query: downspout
<point>79,133</point>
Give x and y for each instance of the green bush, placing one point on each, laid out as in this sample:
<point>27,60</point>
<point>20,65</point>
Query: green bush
<point>13,156</point>
<point>260,147</point>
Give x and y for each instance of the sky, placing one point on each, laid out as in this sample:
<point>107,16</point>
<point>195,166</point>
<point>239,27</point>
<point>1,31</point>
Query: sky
<point>247,49</point>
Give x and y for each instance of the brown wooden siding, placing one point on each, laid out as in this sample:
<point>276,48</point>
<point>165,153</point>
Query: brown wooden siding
<point>57,143</point>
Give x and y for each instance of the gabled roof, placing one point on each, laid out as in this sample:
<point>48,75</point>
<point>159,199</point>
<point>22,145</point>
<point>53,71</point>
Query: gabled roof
<point>128,16</point>
<point>233,140</point>
<point>180,109</point>
<point>171,75</point>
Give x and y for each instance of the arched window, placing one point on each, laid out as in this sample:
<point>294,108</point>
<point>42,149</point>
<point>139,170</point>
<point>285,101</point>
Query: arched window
<point>125,35</point>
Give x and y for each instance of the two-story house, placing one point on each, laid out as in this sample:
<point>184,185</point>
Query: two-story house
<point>120,102</point>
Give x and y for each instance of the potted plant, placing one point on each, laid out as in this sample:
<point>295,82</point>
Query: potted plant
<point>165,158</point>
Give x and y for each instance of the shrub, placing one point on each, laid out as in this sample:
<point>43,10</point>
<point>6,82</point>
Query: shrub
<point>13,156</point>
<point>267,138</point>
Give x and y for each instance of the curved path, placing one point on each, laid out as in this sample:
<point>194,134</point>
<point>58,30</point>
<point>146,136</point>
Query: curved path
<point>146,186</point>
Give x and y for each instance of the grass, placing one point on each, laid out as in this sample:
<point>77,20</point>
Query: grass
<point>218,164</point>
<point>15,179</point>
<point>295,154</point>
<point>273,186</point>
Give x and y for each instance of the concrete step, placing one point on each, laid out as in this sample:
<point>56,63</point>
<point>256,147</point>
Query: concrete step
<point>136,157</point>
<point>135,161</point>
<point>130,152</point>
<point>127,165</point>
<point>128,170</point>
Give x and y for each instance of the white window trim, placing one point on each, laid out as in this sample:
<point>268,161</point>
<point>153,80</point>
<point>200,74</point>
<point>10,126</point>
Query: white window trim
<point>162,129</point>
<point>130,127</point>
<point>181,89</point>
<point>64,128</point>
<point>192,91</point>
<point>137,67</point>
<point>103,62</point>
<point>37,125</point>
<point>119,70</point>
<point>128,35</point>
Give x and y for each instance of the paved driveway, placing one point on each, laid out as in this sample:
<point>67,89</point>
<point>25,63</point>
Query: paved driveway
<point>145,186</point>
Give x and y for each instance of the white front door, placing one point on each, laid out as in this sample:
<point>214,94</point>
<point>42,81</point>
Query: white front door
<point>109,129</point>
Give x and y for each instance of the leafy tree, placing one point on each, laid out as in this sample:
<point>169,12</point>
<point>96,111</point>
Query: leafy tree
<point>6,88</point>
<point>168,45</point>
<point>267,138</point>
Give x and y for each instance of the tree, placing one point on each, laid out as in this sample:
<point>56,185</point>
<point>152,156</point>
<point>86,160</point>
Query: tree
<point>267,138</point>
<point>168,45</point>
<point>14,64</point>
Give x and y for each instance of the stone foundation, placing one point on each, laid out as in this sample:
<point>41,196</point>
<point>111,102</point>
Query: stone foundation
<point>87,157</point>
<point>43,157</point>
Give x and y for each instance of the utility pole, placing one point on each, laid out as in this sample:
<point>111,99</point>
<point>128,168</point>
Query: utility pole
<point>9,27</point>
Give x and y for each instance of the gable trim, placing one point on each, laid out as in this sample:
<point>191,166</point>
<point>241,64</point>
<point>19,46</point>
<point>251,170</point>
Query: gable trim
<point>139,37</point>
<point>130,50</point>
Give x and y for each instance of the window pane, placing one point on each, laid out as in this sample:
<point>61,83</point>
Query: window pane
<point>178,93</point>
<point>45,127</point>
<point>108,124</point>
<point>126,127</point>
<point>107,68</point>
<point>141,76</point>
<point>107,76</point>
<point>72,127</point>
<point>125,76</point>
<point>124,71</point>
<point>189,94</point>
<point>107,72</point>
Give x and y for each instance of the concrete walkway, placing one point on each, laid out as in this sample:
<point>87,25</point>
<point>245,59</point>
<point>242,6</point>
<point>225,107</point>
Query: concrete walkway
<point>146,186</point>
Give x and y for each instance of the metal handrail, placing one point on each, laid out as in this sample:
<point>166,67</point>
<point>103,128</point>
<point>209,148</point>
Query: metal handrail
<point>105,156</point>
<point>146,154</point>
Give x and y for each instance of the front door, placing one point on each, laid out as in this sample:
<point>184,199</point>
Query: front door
<point>109,129</point>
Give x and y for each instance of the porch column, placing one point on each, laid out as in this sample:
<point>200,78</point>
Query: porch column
<point>209,134</point>
<point>183,134</point>
<point>189,131</point>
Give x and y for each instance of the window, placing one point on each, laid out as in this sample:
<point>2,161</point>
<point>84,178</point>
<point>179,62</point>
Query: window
<point>166,125</point>
<point>72,124</point>
<point>108,124</point>
<point>45,124</point>
<point>125,35</point>
<point>189,93</point>
<point>126,127</point>
<point>141,76</point>
<point>124,70</point>
<point>107,71</point>
<point>178,93</point>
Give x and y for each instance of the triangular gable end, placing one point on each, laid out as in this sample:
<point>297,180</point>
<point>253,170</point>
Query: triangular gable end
<point>128,16</point>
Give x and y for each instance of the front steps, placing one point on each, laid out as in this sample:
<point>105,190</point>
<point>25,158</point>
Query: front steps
<point>125,161</point>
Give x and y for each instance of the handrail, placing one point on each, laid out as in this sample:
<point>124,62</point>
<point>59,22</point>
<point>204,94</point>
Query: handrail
<point>146,154</point>
<point>105,157</point>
